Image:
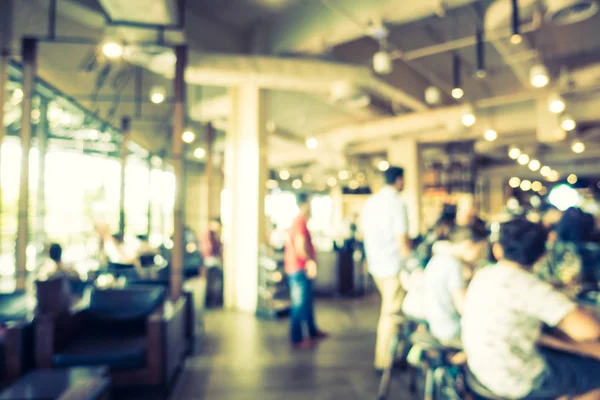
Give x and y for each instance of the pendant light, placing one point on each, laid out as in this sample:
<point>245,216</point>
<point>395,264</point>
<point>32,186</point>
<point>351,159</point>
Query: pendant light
<point>457,91</point>
<point>516,37</point>
<point>480,54</point>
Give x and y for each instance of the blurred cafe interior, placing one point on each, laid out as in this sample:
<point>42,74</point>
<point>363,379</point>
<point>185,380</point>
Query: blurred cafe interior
<point>153,153</point>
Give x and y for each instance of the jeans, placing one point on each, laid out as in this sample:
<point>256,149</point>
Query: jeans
<point>301,306</point>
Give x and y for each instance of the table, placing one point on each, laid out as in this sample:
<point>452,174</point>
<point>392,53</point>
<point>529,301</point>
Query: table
<point>61,384</point>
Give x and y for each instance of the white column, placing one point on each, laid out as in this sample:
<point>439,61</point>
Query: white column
<point>245,178</point>
<point>405,153</point>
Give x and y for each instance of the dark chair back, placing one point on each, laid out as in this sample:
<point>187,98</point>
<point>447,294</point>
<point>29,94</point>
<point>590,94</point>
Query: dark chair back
<point>53,295</point>
<point>123,304</point>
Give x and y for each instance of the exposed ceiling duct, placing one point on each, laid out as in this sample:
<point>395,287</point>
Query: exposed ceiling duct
<point>563,12</point>
<point>151,12</point>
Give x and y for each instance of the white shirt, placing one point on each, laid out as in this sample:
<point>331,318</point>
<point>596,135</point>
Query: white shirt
<point>384,218</point>
<point>505,307</point>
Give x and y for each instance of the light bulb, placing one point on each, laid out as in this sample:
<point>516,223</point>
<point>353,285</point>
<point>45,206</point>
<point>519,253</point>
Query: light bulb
<point>458,93</point>
<point>157,94</point>
<point>526,185</point>
<point>112,49</point>
<point>523,159</point>
<point>514,153</point>
<point>567,123</point>
<point>343,175</point>
<point>468,119</point>
<point>553,176</point>
<point>284,174</point>
<point>514,182</point>
<point>199,153</point>
<point>383,165</point>
<point>490,135</point>
<point>539,76</point>
<point>297,184</point>
<point>578,146</point>
<point>545,171</point>
<point>312,143</point>
<point>188,136</point>
<point>536,186</point>
<point>432,95</point>
<point>382,62</point>
<point>534,165</point>
<point>556,104</point>
<point>516,39</point>
<point>572,179</point>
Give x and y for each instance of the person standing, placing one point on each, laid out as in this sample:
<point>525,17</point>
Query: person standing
<point>301,267</point>
<point>387,246</point>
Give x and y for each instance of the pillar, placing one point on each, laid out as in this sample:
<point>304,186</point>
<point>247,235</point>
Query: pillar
<point>405,153</point>
<point>245,179</point>
<point>209,172</point>
<point>29,49</point>
<point>149,215</point>
<point>125,125</point>
<point>42,139</point>
<point>178,167</point>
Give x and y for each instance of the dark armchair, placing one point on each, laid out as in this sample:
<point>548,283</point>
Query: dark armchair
<point>16,335</point>
<point>134,331</point>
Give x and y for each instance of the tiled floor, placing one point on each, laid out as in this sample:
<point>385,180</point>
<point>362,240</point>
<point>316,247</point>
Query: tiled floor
<point>242,357</point>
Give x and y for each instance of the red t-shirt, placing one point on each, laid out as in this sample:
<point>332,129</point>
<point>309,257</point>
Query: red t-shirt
<point>294,263</point>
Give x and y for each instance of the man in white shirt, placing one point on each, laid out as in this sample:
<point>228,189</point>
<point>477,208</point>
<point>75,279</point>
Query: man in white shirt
<point>387,246</point>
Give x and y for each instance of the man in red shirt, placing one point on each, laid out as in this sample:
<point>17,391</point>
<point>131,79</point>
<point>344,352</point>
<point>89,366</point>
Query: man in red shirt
<point>301,268</point>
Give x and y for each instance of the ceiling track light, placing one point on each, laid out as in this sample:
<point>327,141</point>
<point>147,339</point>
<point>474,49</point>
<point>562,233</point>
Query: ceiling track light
<point>516,37</point>
<point>382,60</point>
<point>480,53</point>
<point>457,91</point>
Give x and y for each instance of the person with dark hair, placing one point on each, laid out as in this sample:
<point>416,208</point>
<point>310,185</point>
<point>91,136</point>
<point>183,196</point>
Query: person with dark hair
<point>505,308</point>
<point>445,282</point>
<point>54,266</point>
<point>387,245</point>
<point>301,267</point>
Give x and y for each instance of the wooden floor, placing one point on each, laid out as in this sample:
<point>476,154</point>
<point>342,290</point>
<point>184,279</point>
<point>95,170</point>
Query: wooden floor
<point>242,357</point>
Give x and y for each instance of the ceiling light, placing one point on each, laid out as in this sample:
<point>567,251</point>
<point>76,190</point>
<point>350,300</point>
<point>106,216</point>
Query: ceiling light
<point>514,153</point>
<point>457,93</point>
<point>18,94</point>
<point>534,165</point>
<point>536,186</point>
<point>545,171</point>
<point>490,135</point>
<point>516,37</point>
<point>523,159</point>
<point>525,185</point>
<point>514,182</point>
<point>296,183</point>
<point>272,184</point>
<point>382,62</point>
<point>578,146</point>
<point>112,49</point>
<point>199,153</point>
<point>572,179</point>
<point>553,176</point>
<point>433,95</point>
<point>567,122</point>
<point>556,104</point>
<point>157,94</point>
<point>469,119</point>
<point>480,54</point>
<point>331,181</point>
<point>543,191</point>
<point>353,185</point>
<point>383,165</point>
<point>284,174</point>
<point>312,143</point>
<point>343,175</point>
<point>188,136</point>
<point>539,76</point>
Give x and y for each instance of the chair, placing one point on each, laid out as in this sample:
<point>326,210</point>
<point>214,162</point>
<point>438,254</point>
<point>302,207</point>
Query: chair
<point>477,389</point>
<point>16,335</point>
<point>133,331</point>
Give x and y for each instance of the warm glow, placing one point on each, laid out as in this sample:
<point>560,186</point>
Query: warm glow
<point>490,135</point>
<point>523,159</point>
<point>536,186</point>
<point>157,94</point>
<point>514,153</point>
<point>331,181</point>
<point>568,123</point>
<point>307,178</point>
<point>545,171</point>
<point>188,136</point>
<point>272,184</point>
<point>468,119</point>
<point>112,49</point>
<point>553,176</point>
<point>353,185</point>
<point>284,174</point>
<point>578,146</point>
<point>383,165</point>
<point>343,175</point>
<point>538,76</point>
<point>516,39</point>
<point>572,179</point>
<point>514,182</point>
<point>556,104</point>
<point>360,177</point>
<point>526,185</point>
<point>534,165</point>
<point>458,93</point>
<point>312,143</point>
<point>297,184</point>
<point>199,153</point>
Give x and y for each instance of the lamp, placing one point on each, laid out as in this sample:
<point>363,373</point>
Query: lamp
<point>457,91</point>
<point>157,94</point>
<point>514,153</point>
<point>199,153</point>
<point>312,143</point>
<point>188,136</point>
<point>468,119</point>
<point>577,146</point>
<point>382,61</point>
<point>112,49</point>
<point>480,54</point>
<point>539,76</point>
<point>534,165</point>
<point>490,135</point>
<point>556,104</point>
<point>284,174</point>
<point>567,122</point>
<point>516,37</point>
<point>523,159</point>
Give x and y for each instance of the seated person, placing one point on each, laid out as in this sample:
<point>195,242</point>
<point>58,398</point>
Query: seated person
<point>54,266</point>
<point>118,252</point>
<point>505,308</point>
<point>446,281</point>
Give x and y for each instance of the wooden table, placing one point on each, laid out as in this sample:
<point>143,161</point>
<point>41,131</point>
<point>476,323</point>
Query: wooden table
<point>61,384</point>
